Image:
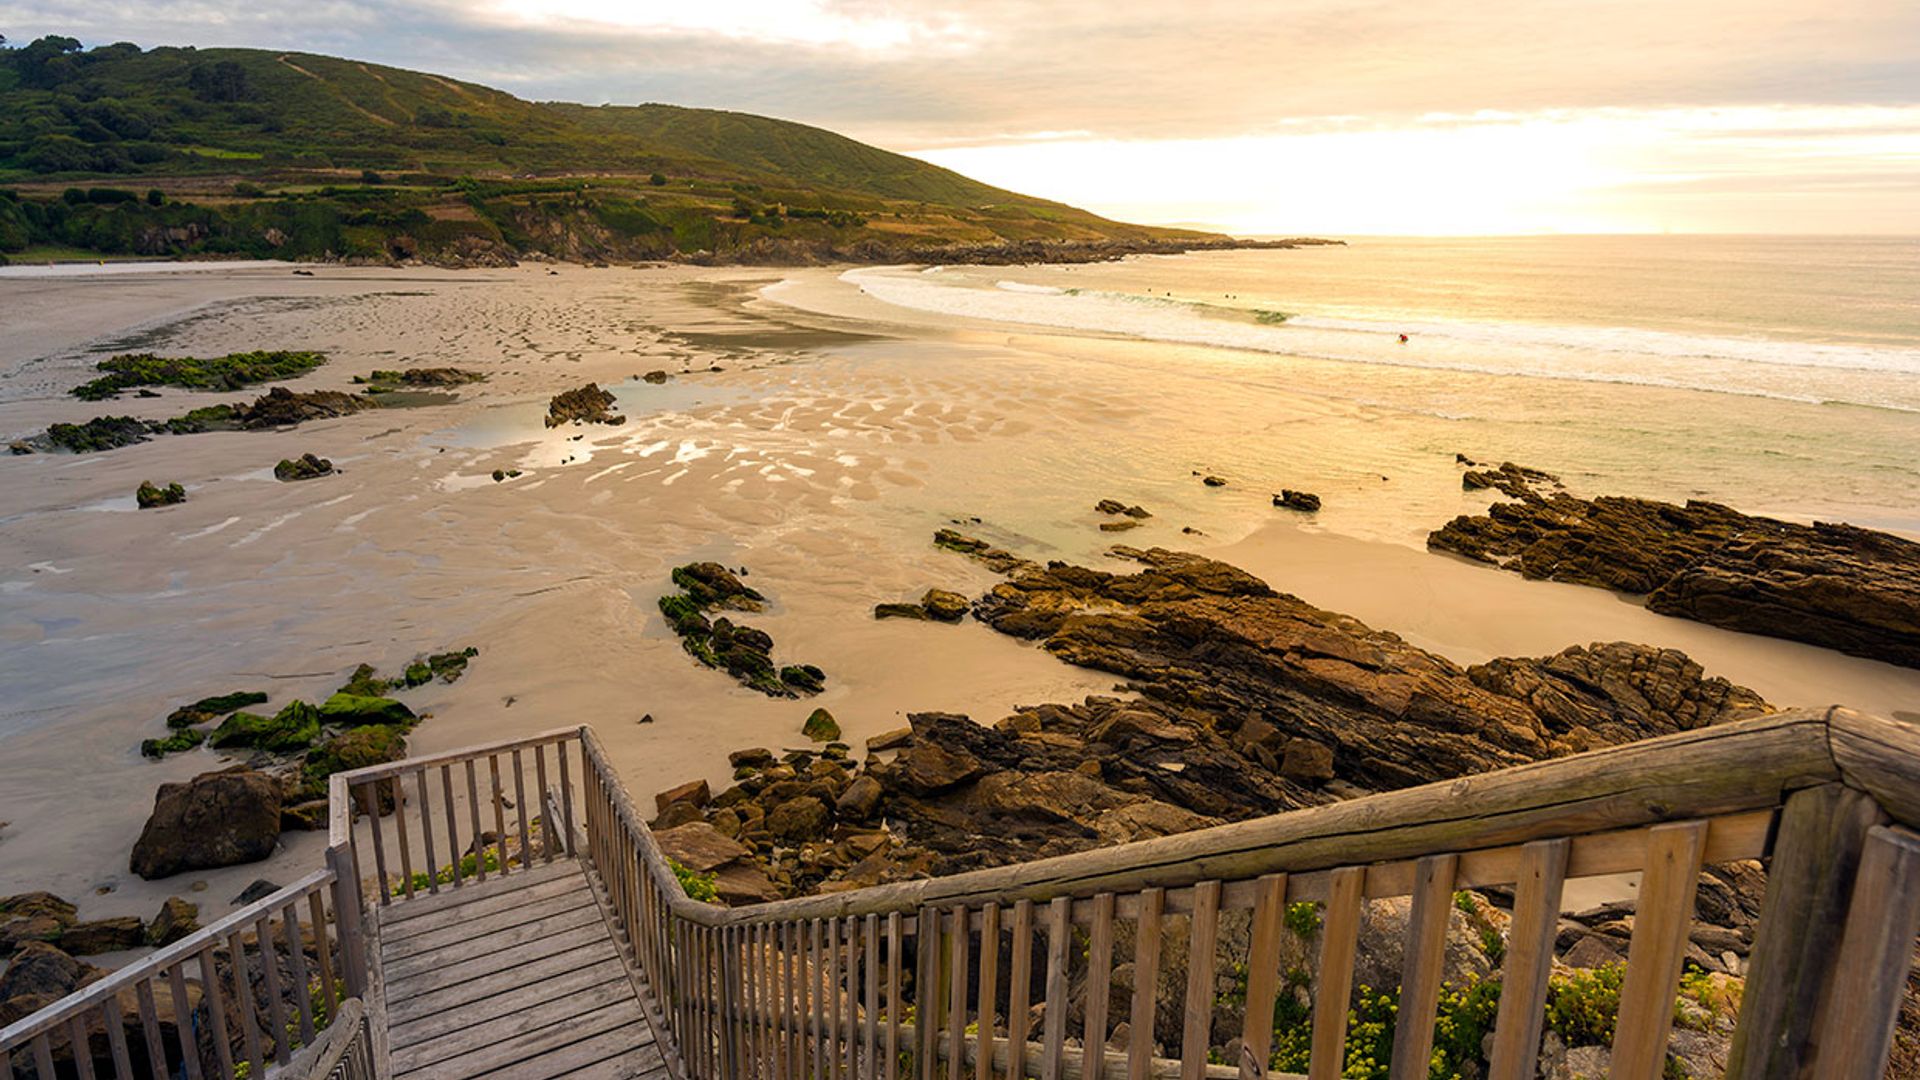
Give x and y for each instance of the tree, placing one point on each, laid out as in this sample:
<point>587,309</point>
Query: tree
<point>156,197</point>
<point>224,81</point>
<point>657,180</point>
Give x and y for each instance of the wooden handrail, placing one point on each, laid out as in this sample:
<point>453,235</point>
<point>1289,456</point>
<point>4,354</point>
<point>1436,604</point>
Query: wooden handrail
<point>1665,806</point>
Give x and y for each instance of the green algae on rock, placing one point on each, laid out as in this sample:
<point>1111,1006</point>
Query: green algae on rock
<point>354,710</point>
<point>231,372</point>
<point>742,651</point>
<point>294,727</point>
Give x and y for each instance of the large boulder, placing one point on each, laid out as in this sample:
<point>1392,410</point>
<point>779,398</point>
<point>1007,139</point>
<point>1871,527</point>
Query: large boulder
<point>215,819</point>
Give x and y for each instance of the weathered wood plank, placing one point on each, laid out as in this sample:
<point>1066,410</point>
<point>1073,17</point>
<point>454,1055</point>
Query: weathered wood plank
<point>505,1056</point>
<point>420,1023</point>
<point>1054,1021</point>
<point>513,937</point>
<point>895,957</point>
<point>957,972</point>
<point>404,920</point>
<point>1020,989</point>
<point>1146,974</point>
<point>563,951</point>
<point>1523,990</point>
<point>988,1003</point>
<point>1099,982</point>
<point>1662,919</point>
<point>1203,946</point>
<point>1857,1020</point>
<point>470,1029</point>
<point>1339,940</point>
<point>1263,976</point>
<point>1425,962</point>
<point>486,927</point>
<point>1809,880</point>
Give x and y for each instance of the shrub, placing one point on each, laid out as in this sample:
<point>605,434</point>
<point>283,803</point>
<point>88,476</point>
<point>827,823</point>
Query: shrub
<point>697,886</point>
<point>156,197</point>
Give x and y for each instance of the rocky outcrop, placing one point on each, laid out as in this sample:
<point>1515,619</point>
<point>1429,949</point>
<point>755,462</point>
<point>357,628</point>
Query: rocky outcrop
<point>740,650</point>
<point>938,605</point>
<point>1837,586</point>
<point>216,819</point>
<point>1115,506</point>
<point>150,495</point>
<point>281,407</point>
<point>1304,501</point>
<point>304,467</point>
<point>583,405</point>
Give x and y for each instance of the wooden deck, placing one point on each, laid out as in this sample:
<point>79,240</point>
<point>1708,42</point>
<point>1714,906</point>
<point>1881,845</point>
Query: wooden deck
<point>516,976</point>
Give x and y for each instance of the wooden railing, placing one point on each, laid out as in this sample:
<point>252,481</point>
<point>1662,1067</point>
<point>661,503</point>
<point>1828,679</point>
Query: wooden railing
<point>1007,971</point>
<point>943,976</point>
<point>468,805</point>
<point>346,1051</point>
<point>228,1000</point>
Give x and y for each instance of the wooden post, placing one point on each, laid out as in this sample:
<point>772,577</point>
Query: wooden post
<point>1146,976</point>
<point>1822,830</point>
<point>1203,935</point>
<point>1425,961</point>
<point>1339,941</point>
<point>1662,919</point>
<point>1856,1020</point>
<point>1523,988</point>
<point>346,922</point>
<point>1263,975</point>
<point>1054,1023</point>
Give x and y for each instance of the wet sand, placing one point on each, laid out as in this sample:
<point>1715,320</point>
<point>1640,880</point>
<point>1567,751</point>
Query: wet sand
<point>840,434</point>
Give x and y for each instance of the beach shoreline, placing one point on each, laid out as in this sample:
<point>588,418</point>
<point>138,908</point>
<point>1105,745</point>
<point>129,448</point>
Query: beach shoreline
<point>838,434</point>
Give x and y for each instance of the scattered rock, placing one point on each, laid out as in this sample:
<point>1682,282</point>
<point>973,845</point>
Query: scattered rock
<point>420,377</point>
<point>40,969</point>
<point>1303,501</point>
<point>353,710</point>
<point>20,447</point>
<point>694,793</point>
<point>1115,506</point>
<point>1214,481</point>
<point>1307,761</point>
<point>212,708</point>
<point>821,726</point>
<point>304,467</point>
<point>742,651</point>
<point>995,559</point>
<point>1119,526</point>
<point>504,474</point>
<point>1513,481</point>
<point>936,604</point>
<point>103,935</point>
<point>216,819</point>
<point>656,377</point>
<point>583,405</point>
<point>294,727</point>
<point>150,496</point>
<point>260,889</point>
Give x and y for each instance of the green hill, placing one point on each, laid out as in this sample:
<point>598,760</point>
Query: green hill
<point>175,150</point>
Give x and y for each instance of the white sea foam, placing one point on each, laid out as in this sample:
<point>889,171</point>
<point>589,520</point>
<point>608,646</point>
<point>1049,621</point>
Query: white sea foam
<point>1878,376</point>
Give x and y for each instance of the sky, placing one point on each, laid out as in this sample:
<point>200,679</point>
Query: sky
<point>1328,117</point>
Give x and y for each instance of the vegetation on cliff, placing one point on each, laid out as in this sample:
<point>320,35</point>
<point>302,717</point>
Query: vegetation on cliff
<point>175,151</point>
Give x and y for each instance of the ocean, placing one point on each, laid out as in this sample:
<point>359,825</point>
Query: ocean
<point>1781,375</point>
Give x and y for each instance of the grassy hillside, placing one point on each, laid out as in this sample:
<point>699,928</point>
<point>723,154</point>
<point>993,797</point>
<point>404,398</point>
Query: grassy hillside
<point>115,149</point>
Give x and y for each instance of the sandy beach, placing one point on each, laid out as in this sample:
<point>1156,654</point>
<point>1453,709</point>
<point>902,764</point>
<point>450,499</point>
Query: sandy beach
<point>837,433</point>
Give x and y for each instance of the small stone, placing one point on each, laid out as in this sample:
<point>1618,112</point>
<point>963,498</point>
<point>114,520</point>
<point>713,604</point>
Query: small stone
<point>259,890</point>
<point>176,919</point>
<point>1306,760</point>
<point>756,758</point>
<point>1214,481</point>
<point>821,726</point>
<point>860,800</point>
<point>695,793</point>
<point>890,740</point>
<point>944,605</point>
<point>798,820</point>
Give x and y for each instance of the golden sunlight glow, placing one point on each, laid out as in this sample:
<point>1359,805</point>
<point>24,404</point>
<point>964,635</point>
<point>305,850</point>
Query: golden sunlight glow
<point>780,22</point>
<point>1590,171</point>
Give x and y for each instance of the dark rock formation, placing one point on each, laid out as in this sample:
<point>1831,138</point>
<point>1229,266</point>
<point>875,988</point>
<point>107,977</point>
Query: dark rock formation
<point>656,377</point>
<point>281,407</point>
<point>1838,586</point>
<point>938,605</point>
<point>103,935</point>
<point>176,919</point>
<point>583,405</point>
<point>1513,481</point>
<point>1115,506</point>
<point>1303,501</point>
<point>820,726</point>
<point>742,651</point>
<point>212,708</point>
<point>304,467</point>
<point>151,495</point>
<point>294,727</point>
<point>996,559</point>
<point>216,819</point>
<point>381,381</point>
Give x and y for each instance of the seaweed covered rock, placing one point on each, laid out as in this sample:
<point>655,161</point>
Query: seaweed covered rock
<point>212,708</point>
<point>999,560</point>
<point>304,467</point>
<point>446,666</point>
<point>583,405</point>
<point>182,740</point>
<point>151,495</point>
<point>820,726</point>
<point>231,372</point>
<point>215,819</point>
<point>30,917</point>
<point>742,651</point>
<point>99,433</point>
<point>294,727</point>
<point>1115,506</point>
<point>176,919</point>
<point>354,710</point>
